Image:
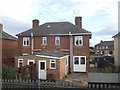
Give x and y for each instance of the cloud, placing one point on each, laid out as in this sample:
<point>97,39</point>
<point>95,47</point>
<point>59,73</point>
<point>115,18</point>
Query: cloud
<point>13,26</point>
<point>99,16</point>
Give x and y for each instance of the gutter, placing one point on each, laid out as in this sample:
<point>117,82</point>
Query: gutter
<point>71,34</point>
<point>71,52</point>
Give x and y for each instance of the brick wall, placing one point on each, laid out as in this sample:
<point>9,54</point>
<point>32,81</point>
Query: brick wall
<point>9,51</point>
<point>64,44</point>
<point>52,47</point>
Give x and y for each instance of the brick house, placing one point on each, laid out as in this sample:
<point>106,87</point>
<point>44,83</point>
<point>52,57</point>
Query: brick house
<point>104,48</point>
<point>57,48</point>
<point>8,47</point>
<point>117,49</point>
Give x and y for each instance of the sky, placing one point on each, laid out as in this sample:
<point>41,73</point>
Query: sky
<point>98,16</point>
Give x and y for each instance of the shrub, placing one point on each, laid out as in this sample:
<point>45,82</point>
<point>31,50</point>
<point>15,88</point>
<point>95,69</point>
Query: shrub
<point>66,76</point>
<point>8,72</point>
<point>111,70</point>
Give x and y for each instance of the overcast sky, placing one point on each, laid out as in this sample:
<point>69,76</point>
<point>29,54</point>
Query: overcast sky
<point>98,16</point>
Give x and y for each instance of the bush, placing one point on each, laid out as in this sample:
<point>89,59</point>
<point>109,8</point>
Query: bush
<point>111,70</point>
<point>8,72</point>
<point>66,76</point>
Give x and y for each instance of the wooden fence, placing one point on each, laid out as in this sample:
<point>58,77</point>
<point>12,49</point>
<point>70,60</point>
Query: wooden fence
<point>55,85</point>
<point>38,84</point>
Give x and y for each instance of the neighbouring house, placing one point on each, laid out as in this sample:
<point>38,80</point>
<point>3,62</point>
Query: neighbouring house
<point>104,62</point>
<point>8,47</point>
<point>57,48</point>
<point>117,49</point>
<point>104,48</point>
<point>92,51</point>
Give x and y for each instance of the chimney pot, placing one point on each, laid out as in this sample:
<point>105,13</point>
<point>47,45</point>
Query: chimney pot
<point>35,23</point>
<point>1,27</point>
<point>101,41</point>
<point>78,21</point>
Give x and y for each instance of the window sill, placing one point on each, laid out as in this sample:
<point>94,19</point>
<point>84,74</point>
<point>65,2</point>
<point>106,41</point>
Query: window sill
<point>26,45</point>
<point>52,68</point>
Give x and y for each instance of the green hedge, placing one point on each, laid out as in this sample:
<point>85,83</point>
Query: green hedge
<point>8,72</point>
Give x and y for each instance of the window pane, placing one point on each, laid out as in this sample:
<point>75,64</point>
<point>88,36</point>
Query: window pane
<point>52,61</point>
<point>42,65</point>
<point>20,64</point>
<point>82,60</point>
<point>76,60</point>
<point>57,40</point>
<point>52,65</point>
<point>44,40</point>
<point>30,63</point>
<point>78,40</point>
<point>26,41</point>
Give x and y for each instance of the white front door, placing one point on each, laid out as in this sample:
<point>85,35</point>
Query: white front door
<point>79,64</point>
<point>42,69</point>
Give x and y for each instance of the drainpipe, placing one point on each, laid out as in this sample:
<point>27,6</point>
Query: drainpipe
<point>71,52</point>
<point>32,43</point>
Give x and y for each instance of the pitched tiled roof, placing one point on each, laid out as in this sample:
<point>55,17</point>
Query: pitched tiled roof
<point>4,35</point>
<point>57,54</point>
<point>54,28</point>
<point>105,43</point>
<point>51,53</point>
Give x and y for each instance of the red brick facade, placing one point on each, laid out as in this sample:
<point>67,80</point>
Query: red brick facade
<point>9,51</point>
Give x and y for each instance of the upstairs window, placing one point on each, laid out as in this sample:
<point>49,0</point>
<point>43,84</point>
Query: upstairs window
<point>106,47</point>
<point>97,47</point>
<point>103,47</point>
<point>78,40</point>
<point>44,40</point>
<point>57,40</point>
<point>26,41</point>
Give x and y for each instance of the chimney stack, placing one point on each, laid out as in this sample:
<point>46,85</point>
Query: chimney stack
<point>35,23</point>
<point>1,27</point>
<point>78,21</point>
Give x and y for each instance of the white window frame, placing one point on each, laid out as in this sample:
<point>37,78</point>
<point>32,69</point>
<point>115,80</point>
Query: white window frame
<point>57,38</point>
<point>54,63</point>
<point>79,60</point>
<point>30,61</point>
<point>97,47</point>
<point>24,54</point>
<point>66,61</point>
<point>106,47</point>
<point>76,37</point>
<point>103,47</point>
<point>25,39</point>
<point>20,61</point>
<point>44,38</point>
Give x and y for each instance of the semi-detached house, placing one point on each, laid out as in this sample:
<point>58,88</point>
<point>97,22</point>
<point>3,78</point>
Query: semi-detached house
<point>57,48</point>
